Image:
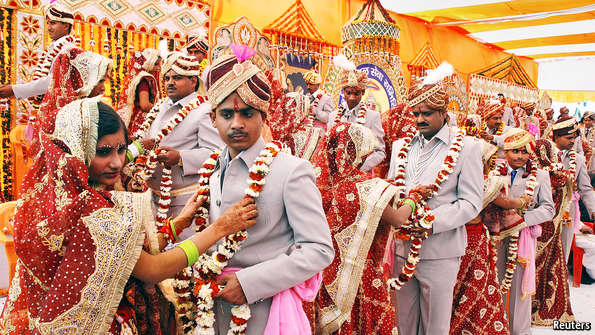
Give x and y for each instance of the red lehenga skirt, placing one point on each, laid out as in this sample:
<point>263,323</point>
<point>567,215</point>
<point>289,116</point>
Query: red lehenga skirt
<point>552,297</point>
<point>477,300</point>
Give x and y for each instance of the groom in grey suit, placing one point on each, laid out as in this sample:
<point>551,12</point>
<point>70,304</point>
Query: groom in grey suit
<point>290,242</point>
<point>425,302</point>
<point>517,152</point>
<point>565,130</point>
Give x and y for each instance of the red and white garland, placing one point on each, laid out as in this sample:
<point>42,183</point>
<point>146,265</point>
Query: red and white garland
<point>513,243</point>
<point>361,115</point>
<point>208,267</point>
<point>422,216</point>
<point>147,164</point>
<point>313,105</point>
<point>43,69</point>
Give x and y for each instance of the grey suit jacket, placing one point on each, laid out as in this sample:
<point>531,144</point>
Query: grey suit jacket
<point>457,202</point>
<point>374,122</point>
<point>195,138</point>
<point>583,182</point>
<point>542,209</point>
<point>325,107</point>
<point>508,117</point>
<point>291,240</point>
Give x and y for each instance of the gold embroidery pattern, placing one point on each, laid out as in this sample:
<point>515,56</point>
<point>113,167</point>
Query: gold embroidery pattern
<point>354,243</point>
<point>13,293</point>
<point>53,242</point>
<point>118,235</point>
<point>62,199</point>
<point>35,278</point>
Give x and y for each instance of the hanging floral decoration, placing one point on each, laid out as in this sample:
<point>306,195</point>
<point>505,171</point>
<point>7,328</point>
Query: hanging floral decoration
<point>6,74</point>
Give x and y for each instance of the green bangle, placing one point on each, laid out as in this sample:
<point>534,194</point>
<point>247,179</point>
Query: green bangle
<point>173,229</point>
<point>129,155</point>
<point>190,250</point>
<point>139,146</point>
<point>410,203</point>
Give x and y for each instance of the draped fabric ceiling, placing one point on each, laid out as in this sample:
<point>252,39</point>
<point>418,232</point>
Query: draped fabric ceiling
<point>560,35</point>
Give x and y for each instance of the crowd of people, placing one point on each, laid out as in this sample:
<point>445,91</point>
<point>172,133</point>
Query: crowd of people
<point>208,200</point>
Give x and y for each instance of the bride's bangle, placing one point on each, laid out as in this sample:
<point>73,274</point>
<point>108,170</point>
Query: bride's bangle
<point>190,250</point>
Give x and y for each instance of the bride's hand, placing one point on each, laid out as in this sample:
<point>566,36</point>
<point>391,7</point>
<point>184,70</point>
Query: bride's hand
<point>184,219</point>
<point>237,217</point>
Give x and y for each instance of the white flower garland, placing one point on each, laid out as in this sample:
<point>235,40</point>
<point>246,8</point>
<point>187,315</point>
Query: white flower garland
<point>208,267</point>
<point>422,217</point>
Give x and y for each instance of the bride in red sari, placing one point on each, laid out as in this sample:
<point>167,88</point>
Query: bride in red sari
<point>552,295</point>
<point>477,299</point>
<point>354,297</point>
<point>140,90</point>
<point>81,246</point>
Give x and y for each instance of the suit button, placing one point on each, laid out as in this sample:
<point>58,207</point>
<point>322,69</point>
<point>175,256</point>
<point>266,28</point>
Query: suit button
<point>218,203</point>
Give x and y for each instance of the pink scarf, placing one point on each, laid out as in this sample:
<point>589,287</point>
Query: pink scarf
<point>526,256</point>
<point>286,316</point>
<point>577,212</point>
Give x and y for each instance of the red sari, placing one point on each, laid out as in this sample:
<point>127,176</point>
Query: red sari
<point>76,245</point>
<point>289,121</point>
<point>141,77</point>
<point>354,297</point>
<point>552,297</point>
<point>477,299</point>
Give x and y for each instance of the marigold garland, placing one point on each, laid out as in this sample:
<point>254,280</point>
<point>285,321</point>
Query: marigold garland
<point>196,312</point>
<point>422,216</point>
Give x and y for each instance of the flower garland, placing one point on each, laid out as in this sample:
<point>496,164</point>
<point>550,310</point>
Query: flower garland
<point>513,243</point>
<point>203,65</point>
<point>361,115</point>
<point>43,69</point>
<point>199,312</point>
<point>146,165</point>
<point>314,104</point>
<point>492,161</point>
<point>422,216</point>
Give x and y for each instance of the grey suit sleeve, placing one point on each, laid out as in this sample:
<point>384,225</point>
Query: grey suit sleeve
<point>313,249</point>
<point>207,141</point>
<point>393,160</point>
<point>325,108</point>
<point>379,153</point>
<point>469,192</point>
<point>584,184</point>
<point>32,88</point>
<point>544,210</point>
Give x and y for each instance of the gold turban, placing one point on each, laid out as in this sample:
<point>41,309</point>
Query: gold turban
<point>490,108</point>
<point>181,64</point>
<point>313,78</point>
<point>518,138</point>
<point>565,126</point>
<point>354,78</point>
<point>229,74</point>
